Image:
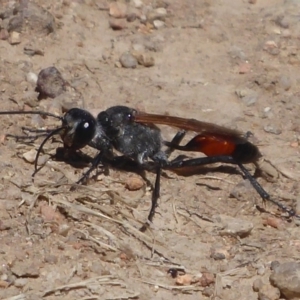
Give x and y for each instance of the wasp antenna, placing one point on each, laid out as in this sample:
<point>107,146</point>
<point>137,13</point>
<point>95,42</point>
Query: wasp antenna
<point>38,112</point>
<point>52,133</point>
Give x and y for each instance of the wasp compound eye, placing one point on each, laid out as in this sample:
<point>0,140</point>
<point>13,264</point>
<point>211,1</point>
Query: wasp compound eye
<point>79,128</point>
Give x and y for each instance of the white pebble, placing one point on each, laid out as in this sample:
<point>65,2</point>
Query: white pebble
<point>161,11</point>
<point>31,77</point>
<point>138,3</point>
<point>30,156</point>
<point>158,24</point>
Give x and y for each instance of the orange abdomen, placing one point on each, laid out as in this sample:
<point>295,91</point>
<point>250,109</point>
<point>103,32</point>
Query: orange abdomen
<point>221,145</point>
<point>212,145</point>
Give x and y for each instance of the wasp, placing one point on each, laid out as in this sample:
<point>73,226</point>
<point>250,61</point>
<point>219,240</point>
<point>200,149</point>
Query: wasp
<point>137,137</point>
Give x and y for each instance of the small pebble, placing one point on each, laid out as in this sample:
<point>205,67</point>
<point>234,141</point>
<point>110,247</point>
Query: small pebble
<point>158,14</point>
<point>285,82</point>
<point>206,279</point>
<point>274,265</point>
<point>34,19</point>
<point>4,277</point>
<point>50,83</point>
<point>161,3</point>
<point>241,93</point>
<point>30,156</point>
<point>274,51</point>
<point>273,222</point>
<point>233,226</point>
<point>271,47</point>
<point>117,24</point>
<point>4,284</point>
<point>267,113</point>
<point>294,144</point>
<point>257,285</point>
<point>49,214</point>
<point>261,270</point>
<point>271,129</point>
<point>31,77</point>
<point>138,48</point>
<point>4,35</point>
<point>29,98</point>
<point>282,22</point>
<point>208,292</point>
<point>144,59</point>
<point>118,64</point>
<point>14,38</point>
<point>118,10</point>
<point>31,51</point>
<point>134,183</point>
<point>219,253</point>
<point>267,170</point>
<point>64,229</point>
<point>268,292</point>
<point>277,31</point>
<point>185,279</point>
<point>131,17</point>
<point>270,44</point>
<point>218,256</point>
<point>127,60</point>
<point>161,11</point>
<point>158,24</point>
<point>286,33</point>
<point>143,19</point>
<point>137,3</point>
<point>20,282</point>
<point>237,52</point>
<point>37,121</point>
<point>51,259</point>
<point>286,278</point>
<point>25,269</point>
<point>250,99</point>
<point>244,68</point>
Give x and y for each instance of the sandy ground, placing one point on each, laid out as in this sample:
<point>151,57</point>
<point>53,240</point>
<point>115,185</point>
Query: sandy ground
<point>233,63</point>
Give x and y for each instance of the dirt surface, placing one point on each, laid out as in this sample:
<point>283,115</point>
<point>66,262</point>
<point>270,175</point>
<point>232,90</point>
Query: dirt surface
<point>234,63</point>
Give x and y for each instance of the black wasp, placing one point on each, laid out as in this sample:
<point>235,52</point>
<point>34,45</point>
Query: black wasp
<point>135,135</point>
